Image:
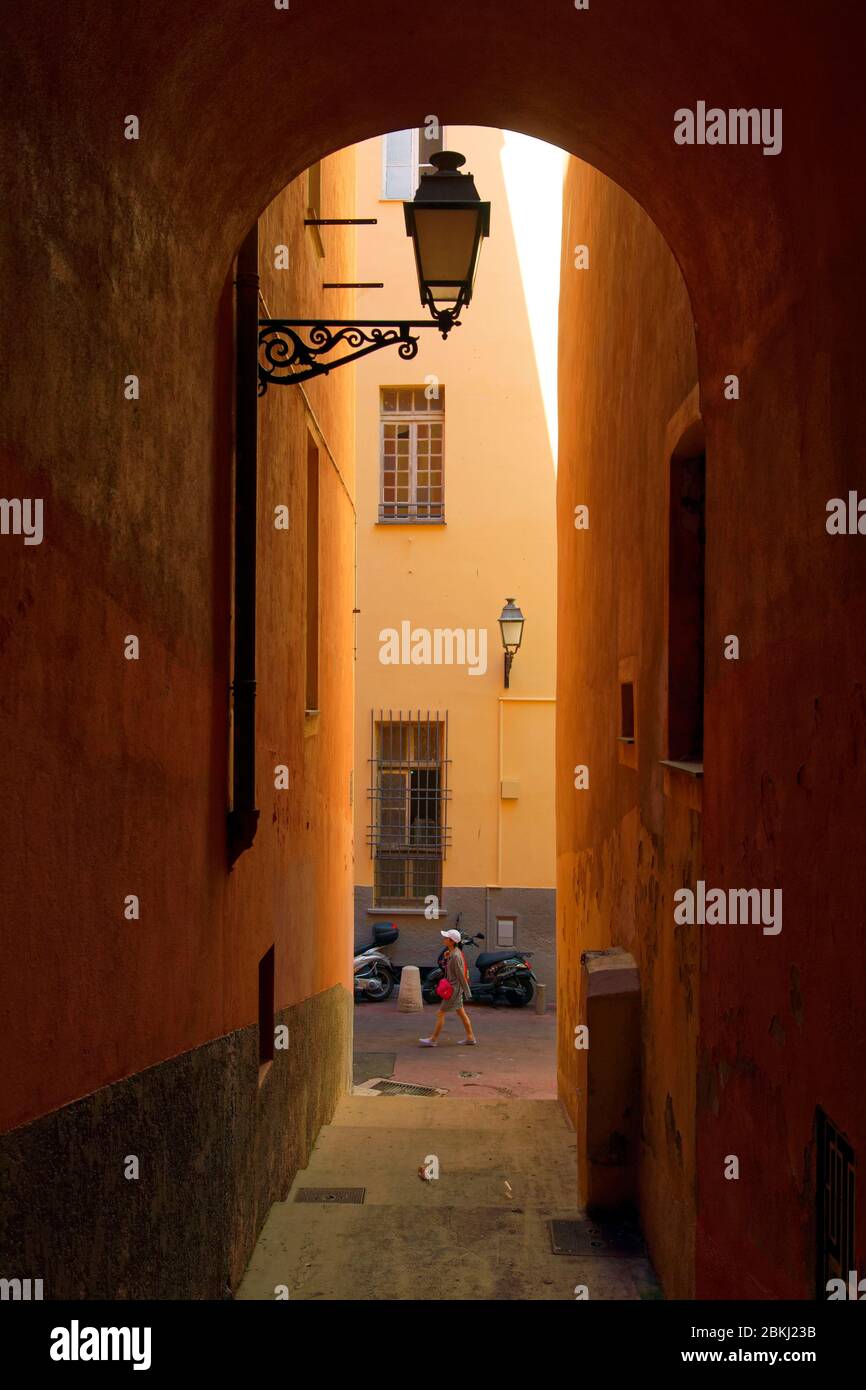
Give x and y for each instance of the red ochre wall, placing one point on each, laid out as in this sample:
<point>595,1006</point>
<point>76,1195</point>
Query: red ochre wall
<point>743,1034</point>
<point>114,257</point>
<point>625,844</point>
<point>119,775</point>
<point>119,783</point>
<point>308,830</point>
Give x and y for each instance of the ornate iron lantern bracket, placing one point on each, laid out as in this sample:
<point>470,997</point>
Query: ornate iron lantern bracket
<point>288,356</point>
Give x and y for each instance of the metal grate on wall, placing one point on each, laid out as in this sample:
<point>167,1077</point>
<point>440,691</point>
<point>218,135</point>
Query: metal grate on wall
<point>408,833</point>
<point>834,1205</point>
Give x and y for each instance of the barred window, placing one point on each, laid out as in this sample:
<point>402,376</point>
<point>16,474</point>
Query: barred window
<point>412,449</point>
<point>408,833</point>
<point>835,1183</point>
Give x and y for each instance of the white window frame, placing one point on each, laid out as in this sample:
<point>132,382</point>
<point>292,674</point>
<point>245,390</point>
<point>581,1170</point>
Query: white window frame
<point>387,197</point>
<point>412,418</point>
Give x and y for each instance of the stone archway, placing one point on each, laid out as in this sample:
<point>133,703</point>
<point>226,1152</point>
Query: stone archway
<point>118,251</point>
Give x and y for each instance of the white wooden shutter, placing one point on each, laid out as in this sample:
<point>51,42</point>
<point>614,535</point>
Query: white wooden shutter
<point>400,164</point>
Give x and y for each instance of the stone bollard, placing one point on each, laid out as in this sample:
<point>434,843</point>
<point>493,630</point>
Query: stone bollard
<point>409,1000</point>
<point>540,998</point>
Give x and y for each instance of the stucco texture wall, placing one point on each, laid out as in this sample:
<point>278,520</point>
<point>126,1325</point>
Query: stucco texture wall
<point>627,361</point>
<point>148,1022</point>
<point>122,784</point>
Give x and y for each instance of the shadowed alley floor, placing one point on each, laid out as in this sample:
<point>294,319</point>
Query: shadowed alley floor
<point>478,1232</point>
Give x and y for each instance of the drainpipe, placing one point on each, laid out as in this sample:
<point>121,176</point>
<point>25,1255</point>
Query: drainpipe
<point>244,815</point>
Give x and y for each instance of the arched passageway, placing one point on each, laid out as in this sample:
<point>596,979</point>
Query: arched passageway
<point>118,252</point>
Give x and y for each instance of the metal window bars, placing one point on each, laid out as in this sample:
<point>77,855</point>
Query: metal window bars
<point>408,834</point>
<point>835,1253</point>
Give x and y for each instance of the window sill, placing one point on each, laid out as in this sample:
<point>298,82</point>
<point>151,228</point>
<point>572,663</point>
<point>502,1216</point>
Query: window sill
<point>411,521</point>
<point>402,912</point>
<point>683,782</point>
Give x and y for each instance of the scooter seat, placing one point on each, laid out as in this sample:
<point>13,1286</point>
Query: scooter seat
<point>490,957</point>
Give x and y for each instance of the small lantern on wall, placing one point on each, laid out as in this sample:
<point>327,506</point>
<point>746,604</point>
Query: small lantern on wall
<point>511,622</point>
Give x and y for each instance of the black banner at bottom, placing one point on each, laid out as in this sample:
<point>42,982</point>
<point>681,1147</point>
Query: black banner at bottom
<point>164,1339</point>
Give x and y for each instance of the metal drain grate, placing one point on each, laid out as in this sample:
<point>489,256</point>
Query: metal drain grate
<point>593,1238</point>
<point>330,1194</point>
<point>403,1088</point>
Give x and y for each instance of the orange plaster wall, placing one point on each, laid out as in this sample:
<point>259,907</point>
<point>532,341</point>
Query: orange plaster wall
<point>627,361</point>
<point>119,773</point>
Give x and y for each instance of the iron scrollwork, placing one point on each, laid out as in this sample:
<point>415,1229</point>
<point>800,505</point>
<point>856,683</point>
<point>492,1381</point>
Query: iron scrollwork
<point>286,357</point>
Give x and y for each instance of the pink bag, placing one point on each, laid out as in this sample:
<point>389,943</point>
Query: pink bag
<point>445,989</point>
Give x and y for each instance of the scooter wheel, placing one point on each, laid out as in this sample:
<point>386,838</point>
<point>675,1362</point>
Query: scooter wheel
<point>385,990</point>
<point>519,996</point>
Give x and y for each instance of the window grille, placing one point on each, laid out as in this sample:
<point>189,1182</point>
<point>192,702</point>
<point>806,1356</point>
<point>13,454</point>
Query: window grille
<point>408,833</point>
<point>835,1205</point>
<point>412,452</point>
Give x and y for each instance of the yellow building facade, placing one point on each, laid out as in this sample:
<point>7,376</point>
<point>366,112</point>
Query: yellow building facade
<point>454,773</point>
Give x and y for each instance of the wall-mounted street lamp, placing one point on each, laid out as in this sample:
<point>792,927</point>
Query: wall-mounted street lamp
<point>511,622</point>
<point>447,222</point>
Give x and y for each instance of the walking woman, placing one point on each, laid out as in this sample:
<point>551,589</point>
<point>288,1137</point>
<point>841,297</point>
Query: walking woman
<point>458,977</point>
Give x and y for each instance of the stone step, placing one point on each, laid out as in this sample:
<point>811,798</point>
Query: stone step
<point>391,1112</point>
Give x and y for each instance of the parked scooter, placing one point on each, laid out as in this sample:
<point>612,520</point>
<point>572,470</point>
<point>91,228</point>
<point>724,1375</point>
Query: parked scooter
<point>375,974</point>
<point>495,977</point>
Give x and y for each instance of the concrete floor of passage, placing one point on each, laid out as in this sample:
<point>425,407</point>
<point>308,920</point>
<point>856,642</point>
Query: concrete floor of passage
<point>515,1057</point>
<point>477,1232</point>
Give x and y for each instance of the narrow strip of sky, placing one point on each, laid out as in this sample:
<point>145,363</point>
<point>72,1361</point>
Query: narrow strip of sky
<point>533,172</point>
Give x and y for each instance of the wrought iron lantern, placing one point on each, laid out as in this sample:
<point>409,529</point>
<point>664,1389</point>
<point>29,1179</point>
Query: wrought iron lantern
<point>447,222</point>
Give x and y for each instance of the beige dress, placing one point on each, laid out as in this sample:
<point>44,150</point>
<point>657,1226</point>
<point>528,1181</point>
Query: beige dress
<point>458,976</point>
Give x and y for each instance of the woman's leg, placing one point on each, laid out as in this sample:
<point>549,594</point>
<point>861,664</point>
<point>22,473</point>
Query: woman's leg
<point>465,1020</point>
<point>437,1029</point>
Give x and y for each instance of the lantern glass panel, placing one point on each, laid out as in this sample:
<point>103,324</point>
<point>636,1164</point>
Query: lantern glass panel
<point>446,248</point>
<point>511,633</point>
